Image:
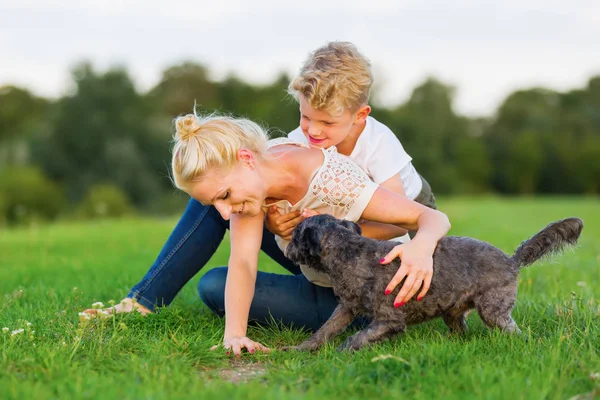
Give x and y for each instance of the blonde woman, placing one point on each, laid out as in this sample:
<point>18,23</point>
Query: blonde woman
<point>231,165</point>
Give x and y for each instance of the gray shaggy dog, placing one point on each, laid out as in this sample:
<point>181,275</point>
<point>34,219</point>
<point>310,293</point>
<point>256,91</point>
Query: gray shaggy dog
<point>467,274</point>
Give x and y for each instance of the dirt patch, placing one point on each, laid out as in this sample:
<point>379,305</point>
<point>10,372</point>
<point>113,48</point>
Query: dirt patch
<point>239,372</point>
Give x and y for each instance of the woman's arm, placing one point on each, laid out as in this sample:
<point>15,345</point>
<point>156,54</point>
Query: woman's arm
<point>383,231</point>
<point>245,236</point>
<point>417,255</point>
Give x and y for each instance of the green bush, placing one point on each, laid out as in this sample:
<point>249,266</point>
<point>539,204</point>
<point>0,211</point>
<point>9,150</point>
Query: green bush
<point>28,196</point>
<point>171,203</point>
<point>105,201</point>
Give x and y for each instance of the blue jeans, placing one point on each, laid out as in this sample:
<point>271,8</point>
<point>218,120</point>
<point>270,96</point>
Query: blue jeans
<point>290,299</point>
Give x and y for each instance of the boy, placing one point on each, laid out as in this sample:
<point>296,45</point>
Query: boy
<point>332,90</point>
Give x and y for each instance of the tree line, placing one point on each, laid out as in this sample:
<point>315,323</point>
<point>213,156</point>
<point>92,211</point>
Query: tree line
<point>104,148</point>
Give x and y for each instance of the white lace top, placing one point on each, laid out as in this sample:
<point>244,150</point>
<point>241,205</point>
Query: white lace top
<point>339,188</point>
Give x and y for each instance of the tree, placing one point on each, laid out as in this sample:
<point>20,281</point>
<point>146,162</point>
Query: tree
<point>182,86</point>
<point>432,133</point>
<point>525,123</point>
<point>101,133</point>
<point>21,115</point>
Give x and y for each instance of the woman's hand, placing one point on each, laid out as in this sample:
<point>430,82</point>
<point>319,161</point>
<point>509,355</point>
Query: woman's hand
<point>126,305</point>
<point>235,344</point>
<point>416,266</point>
<point>282,225</point>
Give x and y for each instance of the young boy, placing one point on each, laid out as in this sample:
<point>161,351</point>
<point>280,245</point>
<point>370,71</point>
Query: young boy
<point>332,90</point>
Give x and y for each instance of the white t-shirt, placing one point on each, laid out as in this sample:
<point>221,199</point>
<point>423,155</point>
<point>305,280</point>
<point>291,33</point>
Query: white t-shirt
<point>381,155</point>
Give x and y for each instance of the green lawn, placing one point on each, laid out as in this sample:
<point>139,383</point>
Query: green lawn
<point>49,274</point>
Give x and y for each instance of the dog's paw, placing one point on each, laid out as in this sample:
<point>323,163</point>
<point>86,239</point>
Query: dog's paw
<point>349,345</point>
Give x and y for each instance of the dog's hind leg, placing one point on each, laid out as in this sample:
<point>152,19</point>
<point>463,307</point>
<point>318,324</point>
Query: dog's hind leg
<point>337,322</point>
<point>375,332</point>
<point>455,318</point>
<point>456,323</point>
<point>494,308</point>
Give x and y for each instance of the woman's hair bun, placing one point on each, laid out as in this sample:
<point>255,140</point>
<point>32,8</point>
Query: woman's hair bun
<point>187,126</point>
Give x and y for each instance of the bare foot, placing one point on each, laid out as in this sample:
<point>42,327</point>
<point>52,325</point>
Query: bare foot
<point>126,305</point>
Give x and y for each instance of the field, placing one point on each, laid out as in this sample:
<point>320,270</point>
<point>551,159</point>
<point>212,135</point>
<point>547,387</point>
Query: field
<point>48,274</point>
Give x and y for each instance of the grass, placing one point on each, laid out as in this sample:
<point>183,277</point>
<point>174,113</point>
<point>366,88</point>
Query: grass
<point>49,274</point>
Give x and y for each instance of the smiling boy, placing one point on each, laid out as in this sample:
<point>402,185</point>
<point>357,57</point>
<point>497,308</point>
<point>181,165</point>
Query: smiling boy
<point>332,90</point>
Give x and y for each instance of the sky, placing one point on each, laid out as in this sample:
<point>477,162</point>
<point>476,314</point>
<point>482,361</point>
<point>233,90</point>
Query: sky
<point>485,49</point>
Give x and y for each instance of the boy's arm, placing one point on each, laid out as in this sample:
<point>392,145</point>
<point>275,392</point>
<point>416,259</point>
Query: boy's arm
<point>394,184</point>
<point>416,255</point>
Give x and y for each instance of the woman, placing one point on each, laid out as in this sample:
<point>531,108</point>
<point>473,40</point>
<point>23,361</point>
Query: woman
<point>230,164</point>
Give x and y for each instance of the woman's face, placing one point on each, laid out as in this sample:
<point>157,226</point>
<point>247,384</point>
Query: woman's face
<point>236,191</point>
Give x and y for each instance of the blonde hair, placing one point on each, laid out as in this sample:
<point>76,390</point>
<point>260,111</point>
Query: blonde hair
<point>334,78</point>
<point>203,143</point>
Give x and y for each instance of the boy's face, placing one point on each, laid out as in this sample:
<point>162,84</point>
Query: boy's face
<point>323,130</point>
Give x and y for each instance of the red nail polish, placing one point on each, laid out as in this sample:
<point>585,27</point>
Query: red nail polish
<point>396,305</point>
<point>227,352</point>
<point>252,351</point>
<point>419,298</point>
<point>387,291</point>
<point>382,260</point>
<point>401,304</point>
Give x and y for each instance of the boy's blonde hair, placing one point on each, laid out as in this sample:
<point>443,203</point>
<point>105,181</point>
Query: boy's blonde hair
<point>336,77</point>
<point>203,143</point>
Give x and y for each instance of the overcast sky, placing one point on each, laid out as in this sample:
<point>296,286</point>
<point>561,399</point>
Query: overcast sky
<point>484,48</point>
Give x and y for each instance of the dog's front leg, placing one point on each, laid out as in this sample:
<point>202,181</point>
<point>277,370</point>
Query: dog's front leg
<point>375,332</point>
<point>338,321</point>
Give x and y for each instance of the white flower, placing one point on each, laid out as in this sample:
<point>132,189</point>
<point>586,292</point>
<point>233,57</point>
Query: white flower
<point>84,316</point>
<point>98,304</point>
<point>17,332</point>
<point>27,323</point>
<point>5,330</point>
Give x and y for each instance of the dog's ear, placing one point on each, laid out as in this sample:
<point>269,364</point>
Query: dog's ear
<point>305,247</point>
<point>312,239</point>
<point>354,227</point>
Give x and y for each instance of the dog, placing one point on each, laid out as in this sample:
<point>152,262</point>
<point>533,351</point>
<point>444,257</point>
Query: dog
<point>467,274</point>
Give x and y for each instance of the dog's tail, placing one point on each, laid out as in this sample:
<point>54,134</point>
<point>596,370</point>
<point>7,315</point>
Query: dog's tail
<point>552,239</point>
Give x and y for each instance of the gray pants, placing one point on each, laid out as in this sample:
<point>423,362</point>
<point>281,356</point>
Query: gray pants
<point>426,198</point>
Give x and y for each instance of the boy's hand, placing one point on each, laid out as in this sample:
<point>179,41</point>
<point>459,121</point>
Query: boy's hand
<point>307,213</point>
<point>282,225</point>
